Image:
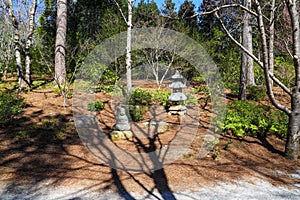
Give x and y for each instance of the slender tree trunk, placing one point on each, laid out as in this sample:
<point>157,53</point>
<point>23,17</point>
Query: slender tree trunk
<point>271,39</point>
<point>243,80</point>
<point>17,43</point>
<point>247,36</point>
<point>28,43</point>
<point>27,63</point>
<point>128,46</point>
<point>247,67</point>
<point>18,61</point>
<point>60,43</point>
<point>292,144</point>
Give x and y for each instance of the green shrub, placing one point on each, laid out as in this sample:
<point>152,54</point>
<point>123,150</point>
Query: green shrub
<point>245,118</point>
<point>161,96</point>
<point>136,112</point>
<point>199,79</point>
<point>107,81</point>
<point>95,106</point>
<point>233,87</point>
<point>10,105</point>
<point>140,97</point>
<point>255,93</point>
<point>201,88</point>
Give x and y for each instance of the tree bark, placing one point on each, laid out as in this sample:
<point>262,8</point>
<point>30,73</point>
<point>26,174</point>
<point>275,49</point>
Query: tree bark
<point>271,39</point>
<point>60,43</point>
<point>247,37</point>
<point>292,144</point>
<point>15,24</point>
<point>128,46</point>
<point>29,42</point>
<point>247,66</point>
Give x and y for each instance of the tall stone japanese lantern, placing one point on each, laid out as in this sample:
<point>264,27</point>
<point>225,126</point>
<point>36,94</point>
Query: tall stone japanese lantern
<point>177,97</point>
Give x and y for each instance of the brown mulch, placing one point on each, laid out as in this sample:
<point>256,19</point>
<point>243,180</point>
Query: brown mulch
<point>49,156</point>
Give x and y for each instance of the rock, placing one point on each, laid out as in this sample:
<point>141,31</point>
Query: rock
<point>160,126</point>
<point>121,135</point>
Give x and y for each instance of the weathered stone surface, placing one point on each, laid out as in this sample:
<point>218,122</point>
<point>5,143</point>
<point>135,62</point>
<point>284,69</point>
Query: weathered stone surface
<point>160,127</point>
<point>178,96</point>
<point>122,123</point>
<point>177,110</point>
<point>121,135</point>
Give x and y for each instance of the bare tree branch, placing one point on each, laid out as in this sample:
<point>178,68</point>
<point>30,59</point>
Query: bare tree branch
<point>121,11</point>
<point>266,61</point>
<point>278,82</point>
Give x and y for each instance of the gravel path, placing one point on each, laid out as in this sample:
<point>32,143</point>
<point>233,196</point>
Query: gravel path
<point>239,190</point>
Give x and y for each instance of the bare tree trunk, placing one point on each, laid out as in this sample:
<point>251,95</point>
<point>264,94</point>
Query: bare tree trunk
<point>60,43</point>
<point>249,45</point>
<point>292,144</point>
<point>18,61</point>
<point>128,46</point>
<point>17,43</point>
<point>28,43</point>
<point>271,39</point>
<point>247,65</point>
<point>247,40</point>
<point>243,68</point>
<point>128,21</point>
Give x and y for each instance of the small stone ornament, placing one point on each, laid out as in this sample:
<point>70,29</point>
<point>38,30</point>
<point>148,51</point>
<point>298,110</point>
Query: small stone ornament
<point>122,127</point>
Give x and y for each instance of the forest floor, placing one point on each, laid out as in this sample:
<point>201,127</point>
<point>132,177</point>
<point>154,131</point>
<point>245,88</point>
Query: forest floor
<point>42,148</point>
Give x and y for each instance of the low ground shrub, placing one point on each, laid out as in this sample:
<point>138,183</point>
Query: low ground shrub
<point>95,106</point>
<point>246,118</point>
<point>140,96</point>
<point>256,93</point>
<point>11,106</point>
<point>161,97</point>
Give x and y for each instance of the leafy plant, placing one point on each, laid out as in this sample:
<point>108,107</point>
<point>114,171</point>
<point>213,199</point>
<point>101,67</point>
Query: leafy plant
<point>246,118</point>
<point>201,88</point>
<point>22,134</point>
<point>140,97</point>
<point>199,79</point>
<point>233,87</point>
<point>215,153</point>
<point>136,112</point>
<point>161,96</point>
<point>11,106</point>
<point>95,106</point>
<point>255,93</point>
<point>107,81</point>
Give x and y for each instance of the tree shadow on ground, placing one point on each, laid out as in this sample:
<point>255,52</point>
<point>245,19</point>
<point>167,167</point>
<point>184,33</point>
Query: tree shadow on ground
<point>101,147</point>
<point>50,154</point>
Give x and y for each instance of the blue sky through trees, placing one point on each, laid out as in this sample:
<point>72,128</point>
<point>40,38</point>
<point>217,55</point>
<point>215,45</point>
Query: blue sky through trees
<point>177,3</point>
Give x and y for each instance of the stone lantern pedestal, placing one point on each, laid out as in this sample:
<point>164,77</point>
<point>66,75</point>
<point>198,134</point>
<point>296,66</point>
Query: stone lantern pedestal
<point>177,97</point>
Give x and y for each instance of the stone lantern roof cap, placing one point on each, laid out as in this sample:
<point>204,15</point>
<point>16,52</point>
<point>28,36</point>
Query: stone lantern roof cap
<point>177,75</point>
